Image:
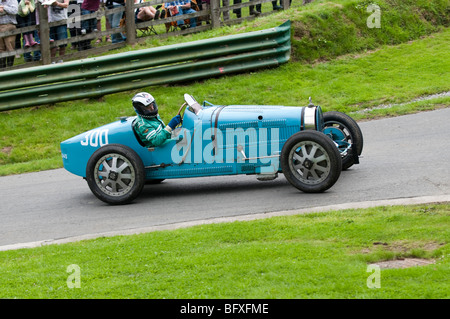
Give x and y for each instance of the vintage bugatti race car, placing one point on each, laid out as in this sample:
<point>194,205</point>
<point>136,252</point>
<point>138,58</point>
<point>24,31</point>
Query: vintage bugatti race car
<point>309,147</point>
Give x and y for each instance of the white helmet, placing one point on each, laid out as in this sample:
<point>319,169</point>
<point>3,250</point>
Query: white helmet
<point>145,105</point>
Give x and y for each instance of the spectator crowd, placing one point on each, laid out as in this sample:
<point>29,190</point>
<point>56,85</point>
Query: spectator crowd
<point>23,13</point>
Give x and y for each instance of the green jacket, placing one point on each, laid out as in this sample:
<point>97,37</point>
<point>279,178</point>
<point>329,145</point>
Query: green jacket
<point>152,132</point>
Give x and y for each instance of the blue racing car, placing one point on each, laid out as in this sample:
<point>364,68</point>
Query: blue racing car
<point>309,147</point>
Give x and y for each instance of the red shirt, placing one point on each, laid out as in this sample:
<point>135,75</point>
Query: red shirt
<point>90,5</point>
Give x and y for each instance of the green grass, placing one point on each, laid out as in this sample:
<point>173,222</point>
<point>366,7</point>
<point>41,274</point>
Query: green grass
<point>334,28</point>
<point>392,74</point>
<point>323,29</point>
<point>319,255</point>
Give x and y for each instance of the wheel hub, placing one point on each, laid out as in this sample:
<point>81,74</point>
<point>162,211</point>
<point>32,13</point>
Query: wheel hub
<point>113,175</point>
<point>308,164</point>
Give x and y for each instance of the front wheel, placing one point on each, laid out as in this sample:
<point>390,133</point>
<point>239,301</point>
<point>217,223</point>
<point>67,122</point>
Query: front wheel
<point>346,133</point>
<point>115,174</point>
<point>310,161</point>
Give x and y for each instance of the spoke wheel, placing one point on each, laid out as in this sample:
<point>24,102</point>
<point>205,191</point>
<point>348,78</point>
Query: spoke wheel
<point>342,129</point>
<point>310,161</point>
<point>115,174</point>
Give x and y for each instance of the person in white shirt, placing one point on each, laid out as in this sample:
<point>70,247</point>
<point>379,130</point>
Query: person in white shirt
<point>8,11</point>
<point>57,11</point>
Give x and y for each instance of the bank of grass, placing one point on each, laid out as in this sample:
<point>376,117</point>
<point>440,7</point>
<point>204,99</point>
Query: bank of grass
<point>392,74</point>
<point>326,29</point>
<point>334,28</point>
<point>319,255</point>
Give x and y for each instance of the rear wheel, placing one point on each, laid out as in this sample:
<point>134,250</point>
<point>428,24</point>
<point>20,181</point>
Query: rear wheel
<point>310,161</point>
<point>344,130</point>
<point>115,174</point>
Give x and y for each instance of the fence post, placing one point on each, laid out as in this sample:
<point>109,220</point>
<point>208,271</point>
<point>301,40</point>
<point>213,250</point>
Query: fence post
<point>130,26</point>
<point>44,34</point>
<point>215,14</point>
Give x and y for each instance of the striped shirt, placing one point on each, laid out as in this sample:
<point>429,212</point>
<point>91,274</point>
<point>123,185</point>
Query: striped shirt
<point>10,9</point>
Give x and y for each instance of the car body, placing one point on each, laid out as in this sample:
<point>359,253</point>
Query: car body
<point>308,147</point>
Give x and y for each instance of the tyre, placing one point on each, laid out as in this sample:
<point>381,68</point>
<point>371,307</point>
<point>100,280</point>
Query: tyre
<point>310,161</point>
<point>115,174</point>
<point>344,130</point>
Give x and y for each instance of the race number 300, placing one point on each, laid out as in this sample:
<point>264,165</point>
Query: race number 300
<point>95,138</point>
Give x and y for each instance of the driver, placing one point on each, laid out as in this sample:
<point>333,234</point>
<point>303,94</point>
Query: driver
<point>148,125</point>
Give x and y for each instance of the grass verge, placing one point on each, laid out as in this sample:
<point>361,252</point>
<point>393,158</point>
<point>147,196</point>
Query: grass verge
<point>319,255</point>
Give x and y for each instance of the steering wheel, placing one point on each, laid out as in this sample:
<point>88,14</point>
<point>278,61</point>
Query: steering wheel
<point>179,113</point>
<point>189,100</point>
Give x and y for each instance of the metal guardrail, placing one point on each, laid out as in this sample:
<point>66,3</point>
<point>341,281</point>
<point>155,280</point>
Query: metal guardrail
<point>126,71</point>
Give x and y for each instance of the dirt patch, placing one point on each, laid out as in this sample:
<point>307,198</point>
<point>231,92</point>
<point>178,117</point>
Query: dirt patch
<point>7,150</point>
<point>404,248</point>
<point>404,263</point>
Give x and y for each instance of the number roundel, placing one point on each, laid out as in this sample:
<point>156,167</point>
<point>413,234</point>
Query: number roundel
<point>96,138</point>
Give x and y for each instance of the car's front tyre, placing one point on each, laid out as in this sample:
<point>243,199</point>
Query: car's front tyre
<point>310,161</point>
<point>344,130</point>
<point>115,174</point>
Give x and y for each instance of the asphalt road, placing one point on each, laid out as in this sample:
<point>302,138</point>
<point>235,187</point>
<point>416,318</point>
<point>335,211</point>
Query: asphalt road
<point>405,159</point>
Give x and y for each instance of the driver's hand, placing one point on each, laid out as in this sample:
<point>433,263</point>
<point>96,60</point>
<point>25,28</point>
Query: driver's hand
<point>174,121</point>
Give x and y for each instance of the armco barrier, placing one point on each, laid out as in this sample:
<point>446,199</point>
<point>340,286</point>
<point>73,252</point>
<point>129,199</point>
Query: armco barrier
<point>136,69</point>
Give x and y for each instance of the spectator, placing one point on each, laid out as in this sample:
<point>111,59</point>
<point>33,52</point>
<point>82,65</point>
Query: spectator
<point>99,25</point>
<point>182,7</point>
<point>36,56</point>
<point>275,6</point>
<point>114,19</point>
<point>25,18</point>
<point>89,25</point>
<point>257,11</point>
<point>8,21</point>
<point>251,8</point>
<point>145,13</point>
<point>57,11</point>
<point>206,5</point>
<point>75,27</point>
<point>237,12</point>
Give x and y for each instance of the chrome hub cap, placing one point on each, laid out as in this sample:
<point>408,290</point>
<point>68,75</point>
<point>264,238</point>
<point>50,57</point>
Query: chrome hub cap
<point>309,162</point>
<point>114,174</point>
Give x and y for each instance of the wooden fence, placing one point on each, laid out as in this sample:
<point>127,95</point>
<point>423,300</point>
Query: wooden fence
<point>213,15</point>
